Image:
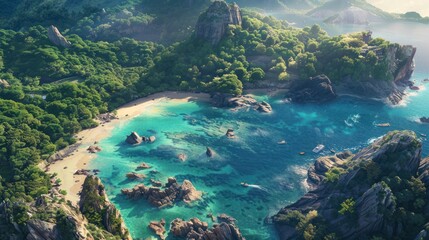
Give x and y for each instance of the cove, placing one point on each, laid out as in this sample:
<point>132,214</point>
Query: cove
<point>277,172</point>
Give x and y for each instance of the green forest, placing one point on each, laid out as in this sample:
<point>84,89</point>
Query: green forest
<point>50,93</point>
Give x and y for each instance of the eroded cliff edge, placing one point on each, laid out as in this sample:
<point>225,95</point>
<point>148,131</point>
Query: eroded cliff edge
<point>381,191</point>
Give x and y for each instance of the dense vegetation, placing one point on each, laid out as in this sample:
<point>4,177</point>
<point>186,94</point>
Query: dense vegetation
<point>49,93</point>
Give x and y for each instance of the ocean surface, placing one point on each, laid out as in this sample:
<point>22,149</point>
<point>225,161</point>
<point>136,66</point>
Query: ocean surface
<point>276,172</point>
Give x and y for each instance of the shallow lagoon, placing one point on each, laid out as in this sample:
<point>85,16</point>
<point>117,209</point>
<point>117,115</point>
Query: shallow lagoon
<point>253,157</point>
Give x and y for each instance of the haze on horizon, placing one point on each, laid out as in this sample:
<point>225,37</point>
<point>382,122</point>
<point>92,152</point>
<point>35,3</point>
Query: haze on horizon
<point>401,6</point>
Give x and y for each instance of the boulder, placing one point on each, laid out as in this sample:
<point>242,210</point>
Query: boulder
<point>57,38</point>
<point>212,25</point>
<point>196,229</point>
<point>316,89</point>
<point>167,196</point>
<point>133,176</point>
<point>158,228</point>
<point>182,157</point>
<point>230,133</point>
<point>210,152</point>
<point>133,138</point>
<point>152,139</point>
<point>424,119</point>
<point>189,193</point>
<point>143,166</point>
<point>93,149</point>
<point>264,107</point>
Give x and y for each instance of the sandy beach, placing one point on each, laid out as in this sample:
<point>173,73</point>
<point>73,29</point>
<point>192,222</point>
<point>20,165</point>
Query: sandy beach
<point>80,158</point>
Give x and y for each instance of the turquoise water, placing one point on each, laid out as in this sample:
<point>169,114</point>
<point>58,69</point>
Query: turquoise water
<point>254,157</point>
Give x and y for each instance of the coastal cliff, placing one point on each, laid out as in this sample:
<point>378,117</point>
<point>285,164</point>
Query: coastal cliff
<point>379,191</point>
<point>213,24</point>
<point>95,205</point>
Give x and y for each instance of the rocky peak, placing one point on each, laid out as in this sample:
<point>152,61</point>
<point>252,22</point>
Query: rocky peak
<point>213,24</point>
<point>57,38</point>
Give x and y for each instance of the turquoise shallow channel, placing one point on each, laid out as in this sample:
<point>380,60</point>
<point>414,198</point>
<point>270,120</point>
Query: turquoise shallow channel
<point>276,172</point>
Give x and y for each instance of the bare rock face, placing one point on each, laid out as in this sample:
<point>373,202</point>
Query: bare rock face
<point>57,38</point>
<point>4,83</point>
<point>317,89</point>
<point>210,152</point>
<point>173,192</point>
<point>93,198</point>
<point>316,173</point>
<point>196,229</point>
<point>213,24</point>
<point>398,153</point>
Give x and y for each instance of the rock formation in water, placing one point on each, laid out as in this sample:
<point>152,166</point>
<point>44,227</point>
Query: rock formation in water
<point>143,166</point>
<point>57,38</point>
<point>213,24</point>
<point>230,133</point>
<point>134,176</point>
<point>239,102</point>
<point>316,89</point>
<point>196,229</point>
<point>424,119</point>
<point>172,193</point>
<point>94,201</point>
<point>360,196</point>
<point>158,228</point>
<point>210,152</point>
<point>134,138</point>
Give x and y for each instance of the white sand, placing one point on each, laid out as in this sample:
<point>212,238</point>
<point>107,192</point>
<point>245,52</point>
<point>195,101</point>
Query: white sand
<point>81,158</point>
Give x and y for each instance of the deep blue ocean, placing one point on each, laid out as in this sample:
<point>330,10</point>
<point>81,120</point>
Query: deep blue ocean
<point>276,172</point>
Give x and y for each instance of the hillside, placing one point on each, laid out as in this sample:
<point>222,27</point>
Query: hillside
<point>349,12</point>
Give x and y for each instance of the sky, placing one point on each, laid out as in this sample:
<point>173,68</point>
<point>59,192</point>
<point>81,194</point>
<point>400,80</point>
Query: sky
<point>402,6</point>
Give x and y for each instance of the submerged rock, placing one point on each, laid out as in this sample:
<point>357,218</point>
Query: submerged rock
<point>358,180</point>
<point>317,89</point>
<point>172,193</point>
<point>212,25</point>
<point>57,38</point>
<point>133,138</point>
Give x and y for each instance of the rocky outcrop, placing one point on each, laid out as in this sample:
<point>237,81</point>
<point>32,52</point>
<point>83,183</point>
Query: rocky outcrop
<point>93,198</point>
<point>134,176</point>
<point>158,228</point>
<point>316,173</point>
<point>400,61</point>
<point>93,149</point>
<point>230,133</point>
<point>424,119</point>
<point>57,38</point>
<point>213,24</point>
<point>4,83</point>
<point>133,138</point>
<point>239,102</point>
<point>360,182</point>
<point>317,89</point>
<point>173,192</point>
<point>143,166</point>
<point>196,229</point>
<point>264,107</point>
